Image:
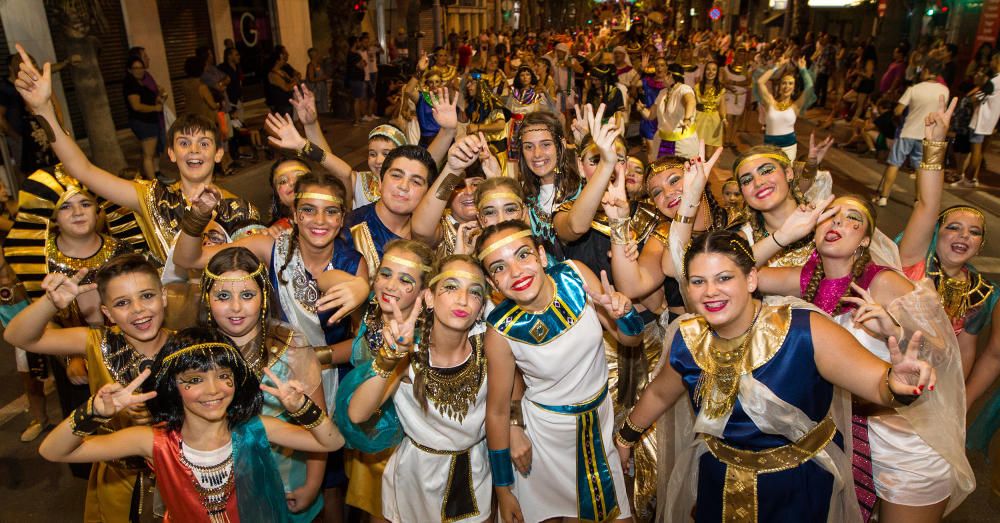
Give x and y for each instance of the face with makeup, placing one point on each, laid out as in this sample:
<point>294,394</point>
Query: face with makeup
<point>786,87</point>
<point>517,269</point>
<point>213,235</point>
<point>960,237</point>
<point>458,297</point>
<point>764,183</point>
<point>319,219</point>
<point>236,305</point>
<point>634,177</point>
<point>719,289</point>
<point>840,235</point>
<point>463,199</point>
<point>540,150</point>
<point>433,82</point>
<point>77,216</point>
<point>207,393</point>
<point>397,281</point>
<point>378,148</point>
<point>135,303</point>
<point>665,189</point>
<point>500,206</point>
<point>591,157</point>
<point>284,178</point>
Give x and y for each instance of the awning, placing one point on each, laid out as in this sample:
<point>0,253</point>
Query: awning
<point>771,20</point>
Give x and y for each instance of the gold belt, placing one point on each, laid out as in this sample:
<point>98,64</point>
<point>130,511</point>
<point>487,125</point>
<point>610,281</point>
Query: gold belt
<point>739,496</point>
<point>676,136</point>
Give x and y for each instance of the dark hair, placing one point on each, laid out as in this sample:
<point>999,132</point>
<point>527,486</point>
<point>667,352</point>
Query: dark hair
<point>715,83</point>
<point>237,259</point>
<point>311,179</point>
<point>227,52</point>
<point>721,241</point>
<point>193,67</point>
<point>189,123</point>
<point>131,60</point>
<point>168,408</point>
<point>279,210</point>
<point>517,77</point>
<point>411,152</point>
<point>857,270</point>
<point>567,180</point>
<point>513,226</point>
<point>121,266</point>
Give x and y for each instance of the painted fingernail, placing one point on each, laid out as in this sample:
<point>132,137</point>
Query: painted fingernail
<point>931,387</point>
<point>400,339</point>
<point>916,391</point>
<point>921,388</point>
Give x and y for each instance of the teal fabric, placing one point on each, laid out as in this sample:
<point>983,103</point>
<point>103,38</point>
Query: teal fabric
<point>259,491</point>
<point>382,431</point>
<point>569,303</point>
<point>986,424</point>
<point>7,312</point>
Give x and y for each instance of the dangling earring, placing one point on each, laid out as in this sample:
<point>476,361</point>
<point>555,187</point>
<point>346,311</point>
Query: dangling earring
<point>859,252</point>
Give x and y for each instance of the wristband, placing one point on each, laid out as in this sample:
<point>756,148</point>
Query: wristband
<point>810,169</point>
<point>516,414</point>
<point>84,421</point>
<point>308,416</point>
<point>901,400</point>
<point>628,435</point>
<point>193,224</point>
<point>385,362</point>
<point>621,230</point>
<point>313,152</point>
<point>933,155</point>
<point>501,467</point>
<point>684,219</point>
<point>630,324</point>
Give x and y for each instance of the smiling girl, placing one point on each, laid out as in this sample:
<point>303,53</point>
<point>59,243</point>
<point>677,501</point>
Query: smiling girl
<point>210,447</point>
<point>782,110</point>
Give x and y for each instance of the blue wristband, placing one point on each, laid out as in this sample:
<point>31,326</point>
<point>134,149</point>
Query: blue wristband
<point>631,323</point>
<point>502,467</point>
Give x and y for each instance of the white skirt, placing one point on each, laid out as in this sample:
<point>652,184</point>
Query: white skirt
<point>906,470</point>
<point>550,489</point>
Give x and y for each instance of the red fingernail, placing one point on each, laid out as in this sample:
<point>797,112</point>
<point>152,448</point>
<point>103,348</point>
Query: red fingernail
<point>916,391</point>
<point>921,388</point>
<point>932,387</point>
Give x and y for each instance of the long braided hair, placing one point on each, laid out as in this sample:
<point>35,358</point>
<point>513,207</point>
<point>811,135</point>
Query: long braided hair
<point>312,180</point>
<point>861,262</point>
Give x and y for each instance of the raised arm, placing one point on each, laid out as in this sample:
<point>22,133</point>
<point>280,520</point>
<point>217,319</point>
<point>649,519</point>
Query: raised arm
<point>283,134</point>
<point>313,430</point>
<point>571,225</point>
<point>36,88</point>
<point>444,110</point>
<point>30,329</point>
<point>762,88</point>
<point>807,85</point>
<point>919,228</point>
<point>426,223</point>
<point>189,253</point>
<point>304,102</point>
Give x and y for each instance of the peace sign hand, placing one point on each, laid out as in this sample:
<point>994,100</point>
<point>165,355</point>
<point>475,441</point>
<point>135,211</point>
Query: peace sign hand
<point>604,134</point>
<point>803,221</point>
<point>936,123</point>
<point>291,393</point>
<point>818,151</point>
<point>33,85</point>
<point>113,398</point>
<point>399,330</point>
<point>616,303</point>
<point>910,376</point>
<point>871,315</point>
<point>615,200</point>
<point>62,289</point>
<point>580,125</point>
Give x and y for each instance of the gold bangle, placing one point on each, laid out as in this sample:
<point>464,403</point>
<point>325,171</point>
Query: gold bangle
<point>324,355</point>
<point>620,230</point>
<point>621,441</point>
<point>516,414</point>
<point>629,424</point>
<point>684,219</point>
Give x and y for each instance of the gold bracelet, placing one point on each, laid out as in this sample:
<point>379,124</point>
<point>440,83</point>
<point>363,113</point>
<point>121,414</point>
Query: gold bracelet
<point>516,414</point>
<point>933,155</point>
<point>621,441</point>
<point>621,230</point>
<point>685,219</point>
<point>324,355</point>
<point>385,362</point>
<point>810,169</point>
<point>629,424</point>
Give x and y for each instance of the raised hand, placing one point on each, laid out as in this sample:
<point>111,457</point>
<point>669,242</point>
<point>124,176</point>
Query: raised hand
<point>464,152</point>
<point>936,123</point>
<point>283,133</point>
<point>614,302</point>
<point>62,289</point>
<point>113,398</point>
<point>615,200</point>
<point>489,162</point>
<point>466,235</point>
<point>801,62</point>
<point>580,126</point>
<point>444,108</point>
<point>803,221</point>
<point>910,375</point>
<point>206,197</point>
<point>399,330</point>
<point>33,85</point>
<point>818,151</point>
<point>423,62</point>
<point>291,393</point>
<point>304,102</point>
<point>604,134</point>
<point>871,315</point>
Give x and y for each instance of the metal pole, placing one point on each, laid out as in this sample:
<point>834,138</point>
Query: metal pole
<point>436,17</point>
<point>380,27</point>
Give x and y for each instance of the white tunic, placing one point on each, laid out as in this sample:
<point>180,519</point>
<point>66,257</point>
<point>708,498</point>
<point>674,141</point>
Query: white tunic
<point>736,95</point>
<point>415,481</point>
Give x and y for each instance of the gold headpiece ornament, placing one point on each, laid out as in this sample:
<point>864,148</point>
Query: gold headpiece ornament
<point>407,263</point>
<point>319,196</point>
<point>738,244</point>
<point>250,276</point>
<point>475,278</point>
<point>860,206</point>
<point>301,166</point>
<point>780,157</point>
<point>662,165</point>
<point>492,195</point>
<point>208,278</point>
<point>966,208</point>
<point>503,241</point>
<point>634,160</point>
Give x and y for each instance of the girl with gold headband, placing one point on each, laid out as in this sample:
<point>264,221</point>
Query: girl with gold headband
<point>284,173</point>
<point>762,433</point>
<point>911,459</point>
<point>396,292</point>
<point>710,120</point>
<point>550,328</point>
<point>210,446</point>
<point>435,381</point>
<point>237,299</point>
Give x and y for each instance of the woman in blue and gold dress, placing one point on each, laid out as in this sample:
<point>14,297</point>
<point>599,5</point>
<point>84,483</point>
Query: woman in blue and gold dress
<point>767,401</point>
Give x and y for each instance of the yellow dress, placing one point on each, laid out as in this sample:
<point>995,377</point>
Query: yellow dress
<point>708,122</point>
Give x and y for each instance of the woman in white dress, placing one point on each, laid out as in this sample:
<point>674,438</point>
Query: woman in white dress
<point>551,331</point>
<point>436,383</point>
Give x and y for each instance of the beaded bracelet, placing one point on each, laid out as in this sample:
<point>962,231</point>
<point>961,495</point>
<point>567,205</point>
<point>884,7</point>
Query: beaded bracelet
<point>309,414</point>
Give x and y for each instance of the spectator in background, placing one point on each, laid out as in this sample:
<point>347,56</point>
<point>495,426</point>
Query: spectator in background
<point>371,51</point>
<point>950,69</point>
<point>287,67</point>
<point>145,115</point>
<point>278,91</point>
<point>354,75</point>
<point>231,67</point>
<point>984,121</point>
<point>316,80</point>
<point>402,44</point>
<point>464,55</point>
<point>825,60</point>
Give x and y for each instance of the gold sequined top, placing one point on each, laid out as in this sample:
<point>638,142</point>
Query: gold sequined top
<point>709,99</point>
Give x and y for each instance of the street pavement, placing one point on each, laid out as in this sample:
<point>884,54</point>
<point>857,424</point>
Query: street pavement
<point>32,489</point>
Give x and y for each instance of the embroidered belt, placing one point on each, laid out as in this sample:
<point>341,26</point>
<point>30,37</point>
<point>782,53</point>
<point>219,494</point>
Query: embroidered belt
<point>675,136</point>
<point>739,496</point>
<point>459,496</point>
<point>596,498</point>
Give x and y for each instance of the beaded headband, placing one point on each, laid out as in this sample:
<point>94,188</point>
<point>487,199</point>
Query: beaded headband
<point>393,134</point>
<point>492,195</point>
<point>742,247</point>
<point>200,346</point>
<point>503,241</point>
<point>779,157</point>
<point>859,206</point>
<point>250,276</point>
<point>319,196</point>
<point>967,208</point>
<point>407,263</point>
<point>475,278</point>
<point>663,165</point>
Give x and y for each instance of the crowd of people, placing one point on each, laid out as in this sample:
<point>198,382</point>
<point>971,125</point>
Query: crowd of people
<point>533,303</point>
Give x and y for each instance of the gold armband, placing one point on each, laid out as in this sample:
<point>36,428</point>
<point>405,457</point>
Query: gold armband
<point>621,230</point>
<point>516,415</point>
<point>933,155</point>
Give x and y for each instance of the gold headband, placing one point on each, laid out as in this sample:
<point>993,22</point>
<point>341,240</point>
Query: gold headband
<point>301,167</point>
<point>967,208</point>
<point>492,195</point>
<point>742,247</point>
<point>319,196</point>
<point>779,157</point>
<point>475,278</point>
<point>407,263</point>
<point>199,346</point>
<point>636,161</point>
<point>250,276</point>
<point>658,167</point>
<point>860,206</point>
<point>503,241</point>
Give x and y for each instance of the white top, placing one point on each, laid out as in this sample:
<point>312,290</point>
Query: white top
<point>922,100</point>
<point>670,107</point>
<point>984,119</point>
<point>206,459</point>
<point>780,123</point>
<point>546,197</point>
<point>433,429</point>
